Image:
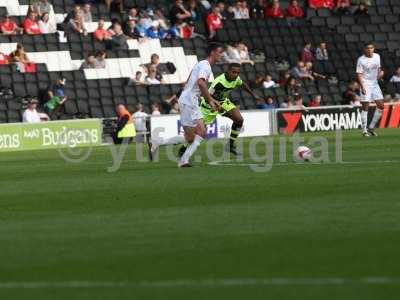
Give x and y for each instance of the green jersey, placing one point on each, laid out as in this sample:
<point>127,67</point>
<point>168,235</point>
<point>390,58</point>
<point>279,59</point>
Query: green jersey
<point>52,103</point>
<point>221,87</point>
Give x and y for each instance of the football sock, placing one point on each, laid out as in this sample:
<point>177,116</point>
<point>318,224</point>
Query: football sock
<point>235,130</point>
<point>364,120</point>
<point>376,117</point>
<point>191,149</point>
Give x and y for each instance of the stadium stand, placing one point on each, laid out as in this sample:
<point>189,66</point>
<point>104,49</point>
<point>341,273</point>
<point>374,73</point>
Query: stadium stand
<point>275,45</point>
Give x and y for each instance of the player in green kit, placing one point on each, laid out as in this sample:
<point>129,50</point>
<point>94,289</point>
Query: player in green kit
<point>220,90</point>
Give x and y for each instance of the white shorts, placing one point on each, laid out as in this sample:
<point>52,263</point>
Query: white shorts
<point>190,115</point>
<point>373,93</point>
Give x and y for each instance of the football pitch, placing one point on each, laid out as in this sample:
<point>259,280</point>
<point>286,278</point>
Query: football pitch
<point>225,230</point>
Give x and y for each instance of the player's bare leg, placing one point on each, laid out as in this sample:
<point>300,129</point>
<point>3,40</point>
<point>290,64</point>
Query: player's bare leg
<point>377,116</point>
<point>194,136</point>
<point>237,125</point>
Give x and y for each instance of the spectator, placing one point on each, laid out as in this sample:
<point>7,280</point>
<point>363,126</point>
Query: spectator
<point>258,81</point>
<point>257,10</point>
<point>119,40</point>
<point>89,63</point>
<point>315,75</point>
<point>174,109</point>
<point>46,25</point>
<point>178,13</point>
<point>306,54</point>
<point>396,76</point>
<point>41,7</point>
<point>321,4</point>
<point>76,12</point>
<point>316,101</point>
<point>292,87</point>
<point>76,25</point>
<point>151,78</point>
<point>222,11</point>
<point>3,59</point>
<point>140,120</point>
<point>237,53</point>
<point>31,25</point>
<point>214,22</point>
<point>161,19</point>
<point>100,59</point>
<point>298,102</point>
<point>362,10</point>
<point>155,109</point>
<point>141,28</point>
<point>294,10</point>
<point>286,103</point>
<point>268,103</point>
<point>240,10</point>
<point>31,115</point>
<point>301,72</point>
<point>21,60</point>
<point>146,16</point>
<point>283,78</point>
<point>194,11</point>
<point>274,10</point>
<point>130,30</point>
<point>269,83</point>
<point>155,61</point>
<point>155,32</point>
<point>9,27</point>
<point>87,13</point>
<point>101,34</point>
<point>352,94</point>
<point>59,88</point>
<point>53,106</point>
<point>343,7</point>
<point>322,52</point>
<point>133,14</point>
<point>137,80</point>
<point>115,5</point>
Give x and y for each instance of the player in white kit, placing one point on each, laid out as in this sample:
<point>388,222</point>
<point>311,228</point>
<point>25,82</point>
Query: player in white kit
<point>191,116</point>
<point>368,73</point>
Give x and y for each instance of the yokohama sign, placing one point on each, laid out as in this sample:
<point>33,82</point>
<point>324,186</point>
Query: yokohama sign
<point>332,118</point>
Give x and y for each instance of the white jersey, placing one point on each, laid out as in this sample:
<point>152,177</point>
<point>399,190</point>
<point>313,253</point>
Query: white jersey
<point>140,120</point>
<point>369,68</point>
<point>191,93</point>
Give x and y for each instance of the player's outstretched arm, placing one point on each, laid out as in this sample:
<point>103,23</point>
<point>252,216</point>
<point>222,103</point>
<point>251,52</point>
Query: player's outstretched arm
<point>360,82</point>
<point>206,94</point>
<point>246,87</point>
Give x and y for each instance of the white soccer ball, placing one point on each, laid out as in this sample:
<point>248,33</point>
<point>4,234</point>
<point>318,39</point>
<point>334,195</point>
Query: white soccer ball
<point>303,153</point>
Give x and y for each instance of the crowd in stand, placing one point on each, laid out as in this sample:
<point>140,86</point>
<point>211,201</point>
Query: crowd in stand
<point>179,21</point>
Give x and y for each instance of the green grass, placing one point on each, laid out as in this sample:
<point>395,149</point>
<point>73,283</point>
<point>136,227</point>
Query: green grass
<point>155,224</point>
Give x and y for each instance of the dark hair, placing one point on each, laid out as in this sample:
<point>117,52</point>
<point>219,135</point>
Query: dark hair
<point>370,43</point>
<point>233,65</point>
<point>213,46</point>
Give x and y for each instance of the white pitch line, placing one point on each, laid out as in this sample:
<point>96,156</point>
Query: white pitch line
<point>243,164</point>
<point>227,282</point>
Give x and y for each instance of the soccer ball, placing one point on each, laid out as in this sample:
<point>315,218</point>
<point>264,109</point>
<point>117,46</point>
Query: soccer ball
<point>303,153</point>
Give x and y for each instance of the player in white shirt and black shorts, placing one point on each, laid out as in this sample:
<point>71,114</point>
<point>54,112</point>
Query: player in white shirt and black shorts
<point>368,73</point>
<point>191,116</point>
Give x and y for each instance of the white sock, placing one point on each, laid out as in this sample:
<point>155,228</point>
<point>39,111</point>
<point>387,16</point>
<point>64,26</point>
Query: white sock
<point>364,120</point>
<point>191,149</point>
<point>376,118</point>
<point>179,139</point>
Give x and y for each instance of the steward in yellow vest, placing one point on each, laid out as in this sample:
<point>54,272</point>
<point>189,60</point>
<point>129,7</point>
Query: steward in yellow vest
<point>125,126</point>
